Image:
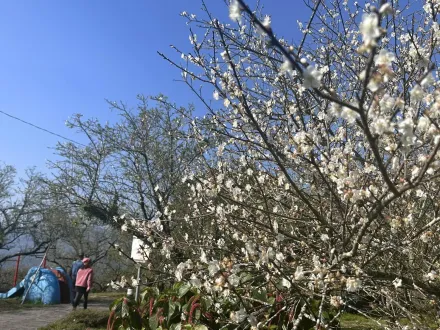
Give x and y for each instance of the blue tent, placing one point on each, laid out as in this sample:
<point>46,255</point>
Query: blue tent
<point>44,289</point>
<point>42,285</point>
<point>69,284</point>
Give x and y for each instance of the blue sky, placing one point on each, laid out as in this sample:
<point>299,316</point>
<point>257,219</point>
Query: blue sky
<point>63,57</point>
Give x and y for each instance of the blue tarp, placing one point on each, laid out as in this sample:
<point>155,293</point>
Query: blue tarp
<point>45,288</point>
<point>14,292</point>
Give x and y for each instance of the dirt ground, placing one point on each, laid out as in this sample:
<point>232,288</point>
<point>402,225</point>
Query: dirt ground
<point>34,317</point>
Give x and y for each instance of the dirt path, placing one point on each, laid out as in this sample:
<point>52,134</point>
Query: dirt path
<point>33,318</point>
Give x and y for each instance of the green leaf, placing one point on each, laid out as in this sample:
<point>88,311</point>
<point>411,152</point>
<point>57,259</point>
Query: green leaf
<point>176,326</point>
<point>155,291</point>
<point>246,277</point>
<point>145,295</point>
<point>173,308</point>
<point>184,289</point>
<point>150,292</point>
<point>176,286</point>
<point>198,314</point>
<point>125,309</point>
<point>186,307</point>
<point>260,294</point>
<point>152,322</point>
<point>200,327</point>
<point>114,303</point>
<point>135,319</point>
<point>206,303</point>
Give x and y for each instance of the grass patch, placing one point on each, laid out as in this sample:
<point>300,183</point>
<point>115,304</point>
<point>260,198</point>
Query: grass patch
<point>15,303</point>
<point>80,320</point>
<point>105,296</point>
<point>97,320</point>
<point>358,322</point>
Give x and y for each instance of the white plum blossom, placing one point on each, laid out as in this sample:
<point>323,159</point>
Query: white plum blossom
<point>353,284</point>
<point>386,9</point>
<point>235,11</point>
<point>179,271</point>
<point>312,77</point>
<point>213,267</point>
<point>369,29</point>
<point>374,83</point>
<point>381,126</point>
<point>397,283</point>
<point>406,127</point>
<point>238,316</point>
<point>336,301</point>
<point>387,103</point>
<point>286,67</point>
<point>266,22</point>
<point>299,274</point>
<point>385,58</point>
<point>423,124</point>
<point>324,237</point>
<point>196,282</point>
<point>216,95</point>
<point>417,93</point>
<point>426,236</point>
<point>432,275</point>
<point>428,81</point>
<point>251,248</point>
<point>234,280</point>
<point>286,283</point>
<point>349,115</point>
<point>279,256</point>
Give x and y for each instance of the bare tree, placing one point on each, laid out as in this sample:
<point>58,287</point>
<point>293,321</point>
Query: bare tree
<point>132,169</point>
<point>20,213</point>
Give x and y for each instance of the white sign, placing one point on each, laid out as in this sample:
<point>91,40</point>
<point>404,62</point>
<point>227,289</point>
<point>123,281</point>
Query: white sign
<point>137,250</point>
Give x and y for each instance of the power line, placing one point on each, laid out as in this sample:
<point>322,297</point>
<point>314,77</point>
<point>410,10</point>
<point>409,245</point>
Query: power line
<point>41,128</point>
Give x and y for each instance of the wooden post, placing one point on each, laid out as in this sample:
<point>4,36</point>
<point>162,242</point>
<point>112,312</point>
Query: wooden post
<point>17,265</point>
<point>34,276</point>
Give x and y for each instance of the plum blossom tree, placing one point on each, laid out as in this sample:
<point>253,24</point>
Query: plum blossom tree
<point>130,169</point>
<point>323,187</point>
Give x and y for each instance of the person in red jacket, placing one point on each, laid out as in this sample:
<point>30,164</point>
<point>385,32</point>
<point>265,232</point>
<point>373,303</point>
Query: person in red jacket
<point>83,284</point>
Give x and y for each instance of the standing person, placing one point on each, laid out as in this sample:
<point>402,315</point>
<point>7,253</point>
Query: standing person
<point>76,265</point>
<point>83,283</point>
